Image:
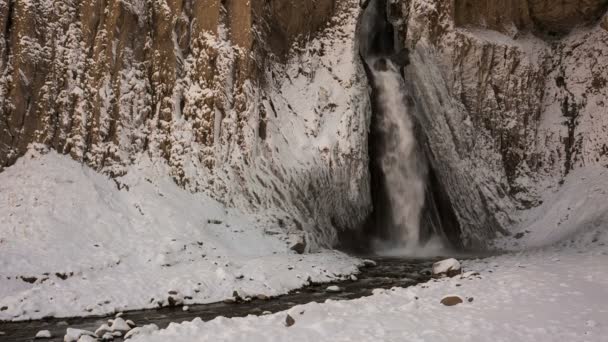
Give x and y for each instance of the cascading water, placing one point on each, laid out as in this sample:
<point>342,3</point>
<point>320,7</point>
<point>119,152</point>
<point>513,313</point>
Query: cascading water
<point>403,168</point>
<point>411,214</point>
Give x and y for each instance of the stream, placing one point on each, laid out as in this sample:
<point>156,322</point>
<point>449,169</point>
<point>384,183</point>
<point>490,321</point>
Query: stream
<point>388,273</point>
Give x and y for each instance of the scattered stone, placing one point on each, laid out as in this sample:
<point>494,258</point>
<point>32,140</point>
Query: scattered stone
<point>451,300</point>
<point>448,267</point>
<point>120,325</point>
<point>236,296</point>
<point>185,308</point>
<point>470,299</point>
<point>369,263</point>
<point>353,277</point>
<point>4,308</point>
<point>43,334</point>
<point>289,321</point>
<point>102,330</point>
<point>266,313</point>
<point>2,333</point>
<point>298,245</point>
<point>62,323</point>
<point>519,235</point>
<point>334,289</point>
<point>262,297</point>
<point>119,314</point>
<point>131,323</point>
<point>29,280</point>
<point>74,335</point>
<point>230,300</point>
<point>117,333</point>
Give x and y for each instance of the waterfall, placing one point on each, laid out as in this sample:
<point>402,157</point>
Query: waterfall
<point>404,170</point>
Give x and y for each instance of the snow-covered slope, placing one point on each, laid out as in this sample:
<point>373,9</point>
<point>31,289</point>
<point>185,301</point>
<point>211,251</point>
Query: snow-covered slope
<point>74,242</point>
<point>539,296</point>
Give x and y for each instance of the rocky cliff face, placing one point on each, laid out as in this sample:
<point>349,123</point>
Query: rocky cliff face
<point>209,87</point>
<point>512,98</point>
<point>264,105</point>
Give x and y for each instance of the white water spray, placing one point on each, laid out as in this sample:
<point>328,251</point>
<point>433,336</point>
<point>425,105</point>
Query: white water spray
<point>403,168</point>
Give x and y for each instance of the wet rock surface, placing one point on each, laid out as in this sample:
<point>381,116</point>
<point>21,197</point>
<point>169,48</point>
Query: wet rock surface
<point>387,273</point>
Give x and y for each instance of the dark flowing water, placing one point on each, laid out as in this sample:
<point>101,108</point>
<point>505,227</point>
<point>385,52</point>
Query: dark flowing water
<point>389,272</point>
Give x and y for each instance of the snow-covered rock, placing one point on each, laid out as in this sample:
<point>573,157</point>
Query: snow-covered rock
<point>333,288</point>
<point>120,324</point>
<point>75,335</point>
<point>447,268</point>
<point>102,330</point>
<point>44,334</point>
<point>369,263</point>
<point>146,329</point>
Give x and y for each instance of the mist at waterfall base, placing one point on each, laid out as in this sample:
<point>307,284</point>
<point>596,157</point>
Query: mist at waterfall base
<point>404,169</point>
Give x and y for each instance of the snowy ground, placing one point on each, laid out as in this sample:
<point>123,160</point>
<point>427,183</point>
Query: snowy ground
<point>555,288</point>
<point>548,295</point>
<point>73,244</point>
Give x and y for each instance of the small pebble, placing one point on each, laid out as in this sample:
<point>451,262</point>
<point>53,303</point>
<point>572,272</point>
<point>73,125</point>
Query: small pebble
<point>186,308</point>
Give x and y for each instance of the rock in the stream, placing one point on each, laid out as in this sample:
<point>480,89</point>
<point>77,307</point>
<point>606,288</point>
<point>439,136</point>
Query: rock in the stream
<point>74,335</point>
<point>289,321</point>
<point>43,334</point>
<point>448,267</point>
<point>185,308</point>
<point>120,324</point>
<point>353,277</point>
<point>102,330</point>
<point>451,300</point>
<point>262,297</point>
<point>334,289</point>
<point>369,263</point>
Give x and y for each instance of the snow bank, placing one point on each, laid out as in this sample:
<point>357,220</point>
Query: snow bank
<point>541,296</point>
<point>574,214</point>
<point>73,242</point>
